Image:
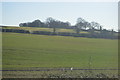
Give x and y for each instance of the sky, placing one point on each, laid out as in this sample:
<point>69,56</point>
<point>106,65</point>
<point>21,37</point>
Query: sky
<point>105,13</point>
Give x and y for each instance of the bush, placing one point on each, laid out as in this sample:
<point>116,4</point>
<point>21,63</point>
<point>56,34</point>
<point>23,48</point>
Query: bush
<point>15,30</point>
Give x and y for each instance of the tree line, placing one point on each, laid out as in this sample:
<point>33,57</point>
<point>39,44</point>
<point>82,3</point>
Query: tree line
<point>49,23</point>
<point>94,29</point>
<point>81,24</point>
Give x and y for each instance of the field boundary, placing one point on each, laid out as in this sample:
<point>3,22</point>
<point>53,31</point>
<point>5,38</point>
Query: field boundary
<point>90,35</point>
<point>62,69</point>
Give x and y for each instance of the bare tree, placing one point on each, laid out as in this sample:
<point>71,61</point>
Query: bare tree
<point>95,25</point>
<point>81,24</point>
<point>52,23</point>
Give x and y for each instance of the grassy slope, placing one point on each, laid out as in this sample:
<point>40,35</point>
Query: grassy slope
<point>44,29</point>
<point>27,50</point>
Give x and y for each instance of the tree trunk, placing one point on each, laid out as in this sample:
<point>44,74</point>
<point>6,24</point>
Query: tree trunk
<point>54,30</point>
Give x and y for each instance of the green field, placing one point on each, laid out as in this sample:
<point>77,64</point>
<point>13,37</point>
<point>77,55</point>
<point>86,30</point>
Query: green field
<point>28,50</point>
<point>43,29</point>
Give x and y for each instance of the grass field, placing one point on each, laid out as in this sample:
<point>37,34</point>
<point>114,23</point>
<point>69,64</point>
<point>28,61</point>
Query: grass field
<point>44,29</point>
<point>28,50</point>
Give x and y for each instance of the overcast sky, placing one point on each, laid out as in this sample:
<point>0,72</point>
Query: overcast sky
<point>105,13</point>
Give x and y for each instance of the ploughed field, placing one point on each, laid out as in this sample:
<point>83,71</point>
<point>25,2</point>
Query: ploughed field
<point>44,55</point>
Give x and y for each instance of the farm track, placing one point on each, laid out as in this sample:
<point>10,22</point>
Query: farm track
<point>53,69</point>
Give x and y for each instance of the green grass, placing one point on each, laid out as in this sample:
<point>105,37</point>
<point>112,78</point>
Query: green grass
<point>33,52</point>
<point>28,50</point>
